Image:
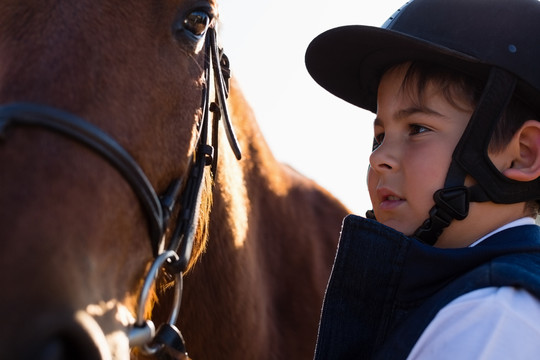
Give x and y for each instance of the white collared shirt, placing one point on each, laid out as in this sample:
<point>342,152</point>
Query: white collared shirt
<point>518,222</point>
<point>489,323</point>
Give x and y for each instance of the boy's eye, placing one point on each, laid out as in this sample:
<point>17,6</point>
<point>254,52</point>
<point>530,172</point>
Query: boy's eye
<point>377,141</point>
<point>415,129</point>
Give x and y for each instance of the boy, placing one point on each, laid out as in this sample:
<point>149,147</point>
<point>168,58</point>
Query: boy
<point>451,267</point>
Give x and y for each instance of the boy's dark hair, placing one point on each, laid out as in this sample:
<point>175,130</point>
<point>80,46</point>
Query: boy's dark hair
<point>460,89</point>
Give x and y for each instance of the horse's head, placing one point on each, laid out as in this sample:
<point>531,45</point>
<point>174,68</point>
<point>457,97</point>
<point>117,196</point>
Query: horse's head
<point>74,222</point>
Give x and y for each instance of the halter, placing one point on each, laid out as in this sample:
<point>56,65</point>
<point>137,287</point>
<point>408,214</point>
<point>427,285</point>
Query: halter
<point>183,193</point>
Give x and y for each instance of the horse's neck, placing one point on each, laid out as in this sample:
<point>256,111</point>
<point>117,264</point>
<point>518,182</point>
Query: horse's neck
<point>257,290</point>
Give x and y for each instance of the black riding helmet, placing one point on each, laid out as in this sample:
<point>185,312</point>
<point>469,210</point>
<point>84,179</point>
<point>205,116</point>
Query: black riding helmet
<point>493,40</point>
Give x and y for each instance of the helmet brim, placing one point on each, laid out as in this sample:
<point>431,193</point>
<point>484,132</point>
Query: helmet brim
<point>349,61</point>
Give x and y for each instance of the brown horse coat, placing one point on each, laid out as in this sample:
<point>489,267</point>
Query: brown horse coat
<point>74,241</point>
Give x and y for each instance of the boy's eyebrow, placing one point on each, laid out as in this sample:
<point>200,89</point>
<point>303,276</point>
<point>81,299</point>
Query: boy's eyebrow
<point>404,113</point>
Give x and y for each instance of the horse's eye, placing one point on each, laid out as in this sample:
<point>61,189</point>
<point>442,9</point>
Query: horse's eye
<point>197,22</point>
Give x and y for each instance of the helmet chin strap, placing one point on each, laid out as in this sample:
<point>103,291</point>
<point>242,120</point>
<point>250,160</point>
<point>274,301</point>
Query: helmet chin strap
<point>451,203</point>
<point>471,154</point>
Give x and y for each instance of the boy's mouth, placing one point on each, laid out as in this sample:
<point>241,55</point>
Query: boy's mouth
<point>388,199</point>
<point>385,194</point>
<point>390,202</point>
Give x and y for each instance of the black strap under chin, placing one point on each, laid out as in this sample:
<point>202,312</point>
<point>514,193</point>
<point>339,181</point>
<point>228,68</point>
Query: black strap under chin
<point>471,157</point>
<point>450,204</point>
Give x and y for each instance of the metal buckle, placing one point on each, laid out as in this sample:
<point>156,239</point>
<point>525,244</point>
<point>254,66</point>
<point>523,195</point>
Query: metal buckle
<point>142,333</point>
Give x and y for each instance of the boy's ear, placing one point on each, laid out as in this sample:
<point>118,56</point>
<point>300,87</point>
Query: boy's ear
<point>525,149</point>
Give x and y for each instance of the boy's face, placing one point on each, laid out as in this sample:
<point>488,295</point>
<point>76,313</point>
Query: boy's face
<point>414,145</point>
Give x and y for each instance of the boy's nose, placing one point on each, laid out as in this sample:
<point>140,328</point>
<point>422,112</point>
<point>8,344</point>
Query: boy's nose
<point>384,158</point>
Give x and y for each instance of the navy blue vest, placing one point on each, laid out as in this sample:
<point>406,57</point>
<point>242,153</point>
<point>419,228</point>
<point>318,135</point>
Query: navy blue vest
<point>385,288</point>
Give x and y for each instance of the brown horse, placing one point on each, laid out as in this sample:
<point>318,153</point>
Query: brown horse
<point>74,237</point>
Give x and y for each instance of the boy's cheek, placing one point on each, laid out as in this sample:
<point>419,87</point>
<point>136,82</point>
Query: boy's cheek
<point>371,180</point>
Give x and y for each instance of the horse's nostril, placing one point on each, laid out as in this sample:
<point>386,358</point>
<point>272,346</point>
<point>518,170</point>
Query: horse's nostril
<point>58,349</point>
<point>71,337</point>
<point>64,347</point>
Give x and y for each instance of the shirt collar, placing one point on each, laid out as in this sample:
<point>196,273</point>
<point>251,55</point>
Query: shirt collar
<point>518,222</point>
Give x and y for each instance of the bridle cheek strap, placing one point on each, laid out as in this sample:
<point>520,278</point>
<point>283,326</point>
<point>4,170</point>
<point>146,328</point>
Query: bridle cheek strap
<point>205,155</point>
<point>471,158</point>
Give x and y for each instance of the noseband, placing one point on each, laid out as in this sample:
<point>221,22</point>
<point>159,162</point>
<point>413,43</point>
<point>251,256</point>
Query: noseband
<point>183,194</point>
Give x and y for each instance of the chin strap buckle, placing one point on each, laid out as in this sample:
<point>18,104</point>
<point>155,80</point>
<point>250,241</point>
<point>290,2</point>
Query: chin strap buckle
<point>451,203</point>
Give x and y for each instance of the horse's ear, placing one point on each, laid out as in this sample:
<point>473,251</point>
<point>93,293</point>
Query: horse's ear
<point>524,149</point>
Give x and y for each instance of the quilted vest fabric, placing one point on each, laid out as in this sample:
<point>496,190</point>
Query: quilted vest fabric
<point>385,288</point>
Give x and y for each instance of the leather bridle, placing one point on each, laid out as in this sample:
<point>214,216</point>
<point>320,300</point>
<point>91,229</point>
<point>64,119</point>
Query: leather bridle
<point>182,196</point>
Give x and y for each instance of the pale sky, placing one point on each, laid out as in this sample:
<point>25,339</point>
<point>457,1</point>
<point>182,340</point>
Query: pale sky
<point>306,127</point>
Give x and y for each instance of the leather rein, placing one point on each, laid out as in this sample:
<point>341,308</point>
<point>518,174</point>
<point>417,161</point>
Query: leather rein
<point>183,195</point>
